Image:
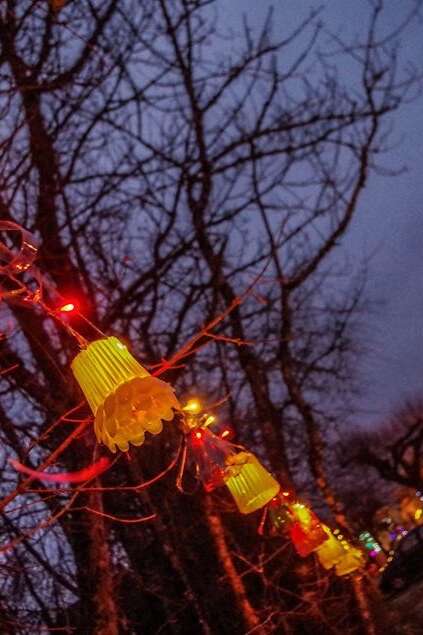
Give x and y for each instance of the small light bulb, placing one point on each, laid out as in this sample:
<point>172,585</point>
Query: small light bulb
<point>67,308</point>
<point>193,406</point>
<point>210,419</point>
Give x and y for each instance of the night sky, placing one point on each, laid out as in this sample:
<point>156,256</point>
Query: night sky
<point>388,226</point>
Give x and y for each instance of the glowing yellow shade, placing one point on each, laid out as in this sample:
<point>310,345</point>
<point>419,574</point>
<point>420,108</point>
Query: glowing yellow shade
<point>249,482</point>
<point>351,560</point>
<point>125,399</point>
<point>331,551</point>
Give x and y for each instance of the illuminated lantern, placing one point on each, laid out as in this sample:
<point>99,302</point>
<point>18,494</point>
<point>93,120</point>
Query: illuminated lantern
<point>331,551</point>
<point>249,482</point>
<point>210,453</point>
<point>351,560</point>
<point>299,522</point>
<point>339,553</point>
<point>307,534</point>
<point>125,399</point>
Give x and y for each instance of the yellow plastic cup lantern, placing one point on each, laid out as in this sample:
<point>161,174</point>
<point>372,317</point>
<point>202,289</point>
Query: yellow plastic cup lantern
<point>351,560</point>
<point>331,551</point>
<point>125,399</point>
<point>250,484</point>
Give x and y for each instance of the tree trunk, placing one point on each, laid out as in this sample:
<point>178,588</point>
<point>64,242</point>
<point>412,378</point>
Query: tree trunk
<point>363,604</point>
<point>251,619</point>
<point>107,612</point>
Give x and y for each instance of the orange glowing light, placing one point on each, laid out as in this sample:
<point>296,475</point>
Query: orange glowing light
<point>225,433</point>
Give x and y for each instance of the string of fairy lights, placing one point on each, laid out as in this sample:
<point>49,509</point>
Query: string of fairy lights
<point>128,402</point>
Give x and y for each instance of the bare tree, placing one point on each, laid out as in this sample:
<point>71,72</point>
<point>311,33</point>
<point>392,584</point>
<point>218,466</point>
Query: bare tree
<point>395,448</point>
<point>163,171</point>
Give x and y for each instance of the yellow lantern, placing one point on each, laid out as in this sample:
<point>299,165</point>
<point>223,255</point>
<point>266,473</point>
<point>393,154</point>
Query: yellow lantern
<point>125,399</point>
<point>331,551</point>
<point>249,482</point>
<point>352,560</point>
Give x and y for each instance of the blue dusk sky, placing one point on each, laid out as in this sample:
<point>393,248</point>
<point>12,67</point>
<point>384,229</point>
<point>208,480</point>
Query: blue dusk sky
<point>388,227</point>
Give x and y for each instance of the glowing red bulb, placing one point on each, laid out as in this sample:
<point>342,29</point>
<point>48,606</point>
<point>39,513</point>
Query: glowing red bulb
<point>197,437</point>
